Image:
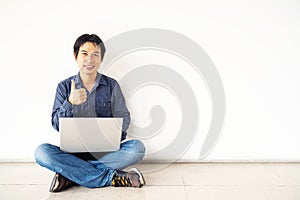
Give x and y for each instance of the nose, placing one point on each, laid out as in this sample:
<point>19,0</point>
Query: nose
<point>88,58</point>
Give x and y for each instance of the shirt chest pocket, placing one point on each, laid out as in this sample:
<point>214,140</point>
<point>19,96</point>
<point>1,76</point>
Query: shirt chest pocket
<point>103,109</point>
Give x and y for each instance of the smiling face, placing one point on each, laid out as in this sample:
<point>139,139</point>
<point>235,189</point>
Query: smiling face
<point>88,59</point>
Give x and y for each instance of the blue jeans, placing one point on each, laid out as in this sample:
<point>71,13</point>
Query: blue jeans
<point>84,170</point>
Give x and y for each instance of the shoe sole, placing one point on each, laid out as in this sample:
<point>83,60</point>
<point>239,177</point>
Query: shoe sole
<point>54,184</point>
<point>141,177</point>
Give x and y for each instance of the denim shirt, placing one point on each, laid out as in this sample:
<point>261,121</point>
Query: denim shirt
<point>104,100</point>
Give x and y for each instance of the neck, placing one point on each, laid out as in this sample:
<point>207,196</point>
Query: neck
<point>88,78</point>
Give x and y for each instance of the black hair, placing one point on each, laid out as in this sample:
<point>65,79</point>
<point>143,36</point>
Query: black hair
<point>89,38</point>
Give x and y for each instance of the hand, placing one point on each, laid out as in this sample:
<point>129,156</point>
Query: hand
<point>77,96</point>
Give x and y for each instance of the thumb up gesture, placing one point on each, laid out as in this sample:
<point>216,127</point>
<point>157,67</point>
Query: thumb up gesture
<point>77,96</point>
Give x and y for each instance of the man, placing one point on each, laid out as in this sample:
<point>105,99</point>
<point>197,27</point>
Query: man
<point>91,94</point>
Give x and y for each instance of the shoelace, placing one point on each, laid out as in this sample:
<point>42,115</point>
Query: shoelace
<point>121,181</point>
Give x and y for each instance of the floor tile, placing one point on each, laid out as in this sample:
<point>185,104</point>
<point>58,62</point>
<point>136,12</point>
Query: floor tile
<point>241,174</point>
<point>177,181</point>
<point>242,193</point>
<point>24,173</point>
<point>147,193</point>
<point>32,192</point>
<point>162,174</point>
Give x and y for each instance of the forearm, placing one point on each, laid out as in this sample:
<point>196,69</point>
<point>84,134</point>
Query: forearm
<point>64,110</point>
<point>61,107</point>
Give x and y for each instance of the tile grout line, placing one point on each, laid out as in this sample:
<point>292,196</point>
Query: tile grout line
<point>22,184</point>
<point>182,178</point>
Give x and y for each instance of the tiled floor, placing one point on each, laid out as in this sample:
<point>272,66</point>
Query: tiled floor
<point>212,181</point>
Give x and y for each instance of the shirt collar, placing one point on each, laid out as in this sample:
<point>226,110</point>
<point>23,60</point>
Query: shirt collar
<point>99,80</point>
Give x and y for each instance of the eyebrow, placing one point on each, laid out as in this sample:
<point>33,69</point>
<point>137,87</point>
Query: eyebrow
<point>86,51</point>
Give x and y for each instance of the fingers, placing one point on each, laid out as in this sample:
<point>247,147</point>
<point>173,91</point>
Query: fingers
<point>77,96</point>
<point>73,88</point>
<point>81,93</point>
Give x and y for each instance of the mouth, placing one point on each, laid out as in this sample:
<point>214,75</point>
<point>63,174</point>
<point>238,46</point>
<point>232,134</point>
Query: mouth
<point>89,67</point>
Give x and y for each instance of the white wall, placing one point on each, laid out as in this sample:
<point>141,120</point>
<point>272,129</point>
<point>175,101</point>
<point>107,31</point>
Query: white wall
<point>254,44</point>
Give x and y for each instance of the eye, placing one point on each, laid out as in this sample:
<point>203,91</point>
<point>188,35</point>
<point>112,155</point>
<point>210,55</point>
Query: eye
<point>96,54</point>
<point>84,53</point>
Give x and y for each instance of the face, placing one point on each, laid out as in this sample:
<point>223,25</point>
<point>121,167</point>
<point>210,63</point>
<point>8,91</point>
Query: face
<point>89,58</point>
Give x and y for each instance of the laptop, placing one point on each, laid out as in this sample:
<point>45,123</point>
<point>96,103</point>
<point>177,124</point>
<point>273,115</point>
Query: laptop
<point>90,134</point>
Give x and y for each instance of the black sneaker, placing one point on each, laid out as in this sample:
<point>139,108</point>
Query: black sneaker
<point>60,183</point>
<point>132,178</point>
